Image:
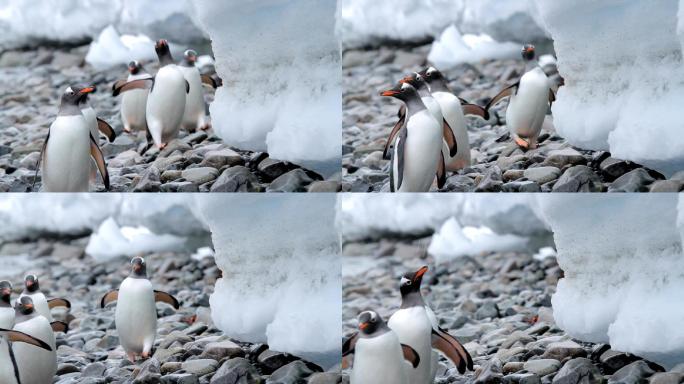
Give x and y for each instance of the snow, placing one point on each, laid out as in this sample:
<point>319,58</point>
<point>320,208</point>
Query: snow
<point>453,48</point>
<point>281,271</point>
<point>371,22</point>
<point>280,63</point>
<point>111,49</point>
<point>619,60</point>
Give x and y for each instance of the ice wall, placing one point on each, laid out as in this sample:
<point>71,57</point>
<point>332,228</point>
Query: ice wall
<point>280,63</point>
<point>623,262</point>
<point>281,271</point>
<point>623,70</point>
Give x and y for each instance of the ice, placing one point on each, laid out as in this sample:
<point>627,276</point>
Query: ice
<point>622,260</point>
<point>372,22</point>
<point>620,60</point>
<point>280,63</point>
<point>281,268</point>
<point>111,49</point>
<point>454,48</point>
<point>454,241</point>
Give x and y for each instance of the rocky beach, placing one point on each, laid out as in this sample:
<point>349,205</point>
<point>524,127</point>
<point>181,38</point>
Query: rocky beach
<point>498,164</point>
<point>499,306</point>
<point>188,349</point>
<point>33,81</point>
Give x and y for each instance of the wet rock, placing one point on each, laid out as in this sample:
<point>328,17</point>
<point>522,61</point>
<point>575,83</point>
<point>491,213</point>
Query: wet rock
<point>236,179</point>
<point>271,360</point>
<point>579,178</point>
<point>272,169</point>
<point>612,168</point>
<point>578,371</point>
<point>637,180</point>
<point>634,373</point>
<point>294,181</point>
<point>295,372</point>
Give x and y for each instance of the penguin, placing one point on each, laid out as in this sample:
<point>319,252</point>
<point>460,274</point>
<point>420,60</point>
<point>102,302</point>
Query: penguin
<point>41,303</point>
<point>96,125</point>
<point>417,155</point>
<point>67,149</point>
<point>9,371</point>
<point>35,365</point>
<point>531,97</point>
<point>166,99</point>
<point>195,116</point>
<point>378,355</point>
<point>454,110</point>
<point>6,309</point>
<point>136,312</point>
<point>134,103</point>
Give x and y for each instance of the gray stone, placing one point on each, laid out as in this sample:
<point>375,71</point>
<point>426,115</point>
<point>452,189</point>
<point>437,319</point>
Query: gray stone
<point>637,180</point>
<point>666,378</point>
<point>612,168</point>
<point>542,175</point>
<point>488,309</point>
<point>578,371</point>
<point>579,178</point>
<point>634,373</point>
<point>236,179</point>
<point>667,186</point>
<point>492,181</point>
<point>272,169</point>
<point>559,158</point>
<point>200,175</point>
<point>295,372</point>
<point>542,367</point>
<point>200,367</point>
<point>490,373</point>
<point>221,350</point>
<point>293,181</point>
<point>564,349</point>
<point>148,181</point>
<point>330,186</point>
<point>221,158</point>
<point>332,378</point>
<point>237,371</point>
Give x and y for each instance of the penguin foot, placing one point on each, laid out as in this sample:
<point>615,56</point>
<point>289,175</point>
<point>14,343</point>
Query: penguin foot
<point>145,355</point>
<point>522,143</point>
<point>162,145</point>
<point>206,127</point>
<point>131,357</point>
<point>127,129</point>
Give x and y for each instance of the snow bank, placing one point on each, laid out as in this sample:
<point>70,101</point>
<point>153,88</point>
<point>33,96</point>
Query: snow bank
<point>453,48</point>
<point>371,22</point>
<point>622,258</point>
<point>111,49</point>
<point>280,62</point>
<point>281,271</point>
<point>621,61</point>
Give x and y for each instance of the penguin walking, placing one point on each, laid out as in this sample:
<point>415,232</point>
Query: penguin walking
<point>134,102</point>
<point>136,312</point>
<point>195,116</point>
<point>166,98</point>
<point>67,149</point>
<point>9,371</point>
<point>6,309</point>
<point>454,110</point>
<point>417,155</point>
<point>379,358</point>
<point>36,365</point>
<point>42,304</point>
<point>531,97</point>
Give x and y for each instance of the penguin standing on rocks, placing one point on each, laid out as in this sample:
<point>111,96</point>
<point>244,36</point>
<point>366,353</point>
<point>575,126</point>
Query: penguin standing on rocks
<point>134,102</point>
<point>454,110</point>
<point>136,312</point>
<point>67,149</point>
<point>9,371</point>
<point>195,116</point>
<point>379,358</point>
<point>417,155</point>
<point>42,304</point>
<point>530,99</point>
<point>6,309</point>
<point>166,98</point>
<point>36,365</point>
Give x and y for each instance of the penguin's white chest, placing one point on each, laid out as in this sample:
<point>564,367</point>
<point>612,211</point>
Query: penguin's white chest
<point>7,375</point>
<point>6,317</point>
<point>453,114</point>
<point>527,108</point>
<point>194,115</point>
<point>136,315</point>
<point>434,108</point>
<point>36,365</point>
<point>413,328</point>
<point>91,119</point>
<point>421,153</point>
<point>133,106</point>
<point>66,160</point>
<point>40,303</point>
<point>379,360</point>
<point>166,104</point>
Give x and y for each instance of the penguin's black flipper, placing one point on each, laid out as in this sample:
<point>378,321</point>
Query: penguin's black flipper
<point>464,101</point>
<point>58,302</point>
<point>187,87</point>
<point>40,157</point>
<point>210,81</point>
<point>401,141</point>
<point>134,84</point>
<point>393,133</point>
<point>166,298</point>
<point>110,296</point>
<point>106,129</point>
<point>59,326</point>
<point>552,97</point>
<point>118,84</point>
<point>449,138</point>
<point>410,355</point>
<point>474,110</point>
<point>21,337</point>
<point>500,96</point>
<point>349,344</point>
<point>453,350</point>
<point>96,153</point>
<point>402,111</point>
<point>441,171</point>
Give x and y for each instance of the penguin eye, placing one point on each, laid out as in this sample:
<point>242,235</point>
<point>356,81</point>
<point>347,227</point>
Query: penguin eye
<point>409,282</point>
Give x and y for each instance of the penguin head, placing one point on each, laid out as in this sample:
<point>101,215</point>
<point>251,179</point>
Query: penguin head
<point>401,91</point>
<point>369,322</point>
<point>528,52</point>
<point>190,57</point>
<point>31,283</point>
<point>75,94</point>
<point>134,67</point>
<point>410,282</point>
<point>416,80</point>
<point>163,52</point>
<point>138,267</point>
<point>24,305</point>
<point>432,75</point>
<point>5,290</point>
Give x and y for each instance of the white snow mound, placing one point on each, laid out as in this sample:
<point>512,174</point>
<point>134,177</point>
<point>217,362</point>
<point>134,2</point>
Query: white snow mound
<point>454,48</point>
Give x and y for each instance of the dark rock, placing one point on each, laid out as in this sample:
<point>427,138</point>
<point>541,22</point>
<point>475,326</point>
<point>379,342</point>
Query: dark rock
<point>335,378</point>
<point>237,371</point>
<point>634,373</point>
<point>330,186</point>
<point>295,372</point>
<point>293,181</point>
<point>637,180</point>
<point>149,181</point>
<point>579,178</point>
<point>578,371</point>
<point>492,181</point>
<point>612,168</point>
<point>490,373</point>
<point>271,360</point>
<point>272,169</point>
<point>666,186</point>
<point>236,179</point>
<point>488,309</point>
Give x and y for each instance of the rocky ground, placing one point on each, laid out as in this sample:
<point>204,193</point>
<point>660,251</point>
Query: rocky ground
<point>499,307</point>
<point>498,165</point>
<point>32,83</point>
<point>188,348</point>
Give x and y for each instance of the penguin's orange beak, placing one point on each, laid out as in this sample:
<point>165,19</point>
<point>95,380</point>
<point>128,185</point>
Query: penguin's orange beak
<point>6,291</point>
<point>136,267</point>
<point>29,306</point>
<point>87,90</point>
<point>389,92</point>
<point>29,283</point>
<point>363,326</point>
<point>406,80</point>
<point>421,272</point>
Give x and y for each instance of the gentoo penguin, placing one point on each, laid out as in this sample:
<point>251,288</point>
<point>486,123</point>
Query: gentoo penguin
<point>9,371</point>
<point>454,110</point>
<point>40,302</point>
<point>35,365</point>
<point>530,99</point>
<point>96,124</point>
<point>134,102</point>
<point>417,155</point>
<point>136,312</point>
<point>166,99</point>
<point>378,355</point>
<point>195,116</point>
<point>6,309</point>
<point>68,147</point>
